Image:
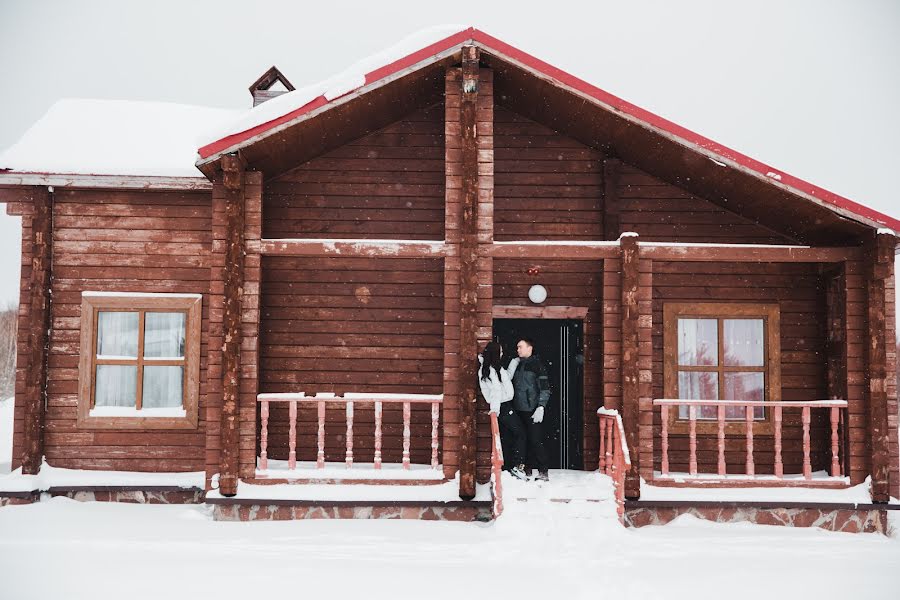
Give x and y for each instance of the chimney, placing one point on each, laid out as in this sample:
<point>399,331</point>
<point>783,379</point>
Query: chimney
<point>270,84</point>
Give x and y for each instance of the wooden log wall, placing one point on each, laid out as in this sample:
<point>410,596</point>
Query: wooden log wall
<point>548,186</point>
<point>388,184</point>
<point>121,241</point>
<point>334,324</point>
<point>799,290</point>
<point>24,209</point>
<point>892,409</point>
<point>662,212</point>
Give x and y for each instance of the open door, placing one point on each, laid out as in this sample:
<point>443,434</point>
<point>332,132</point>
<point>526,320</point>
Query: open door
<point>560,345</point>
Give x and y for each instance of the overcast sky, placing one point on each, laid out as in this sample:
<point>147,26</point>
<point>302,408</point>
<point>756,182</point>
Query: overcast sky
<point>809,87</point>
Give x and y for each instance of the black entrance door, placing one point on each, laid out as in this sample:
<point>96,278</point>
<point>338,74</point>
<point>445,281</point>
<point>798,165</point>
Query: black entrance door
<point>559,343</point>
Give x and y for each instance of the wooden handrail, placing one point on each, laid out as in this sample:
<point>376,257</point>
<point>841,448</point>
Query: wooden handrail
<point>496,465</point>
<point>835,411</point>
<point>348,400</point>
<point>742,403</point>
<point>614,458</point>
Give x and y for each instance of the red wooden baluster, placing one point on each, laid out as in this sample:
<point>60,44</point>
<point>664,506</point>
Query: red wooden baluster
<point>720,414</point>
<point>349,457</point>
<point>748,417</point>
<point>779,465</point>
<point>320,435</point>
<point>264,435</point>
<point>292,435</point>
<point>835,448</point>
<point>692,415</point>
<point>664,416</point>
<point>602,456</point>
<point>619,460</point>
<point>377,434</point>
<point>612,431</point>
<point>435,420</point>
<point>807,466</point>
<point>406,435</point>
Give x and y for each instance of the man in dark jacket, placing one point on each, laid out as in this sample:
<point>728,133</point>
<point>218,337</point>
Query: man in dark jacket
<point>531,388</point>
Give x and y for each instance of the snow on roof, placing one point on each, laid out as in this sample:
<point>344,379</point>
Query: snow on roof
<point>115,137</point>
<point>336,86</point>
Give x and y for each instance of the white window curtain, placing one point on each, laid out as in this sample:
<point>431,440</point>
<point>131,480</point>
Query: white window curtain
<point>164,335</point>
<point>163,386</point>
<point>115,385</point>
<point>117,334</point>
<point>698,342</point>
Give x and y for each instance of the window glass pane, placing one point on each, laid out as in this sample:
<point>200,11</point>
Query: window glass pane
<point>743,339</point>
<point>698,342</point>
<point>698,385</point>
<point>117,334</point>
<point>162,386</point>
<point>744,386</point>
<point>164,335</point>
<point>116,385</point>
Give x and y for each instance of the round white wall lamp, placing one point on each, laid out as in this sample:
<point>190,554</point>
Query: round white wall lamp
<point>537,294</point>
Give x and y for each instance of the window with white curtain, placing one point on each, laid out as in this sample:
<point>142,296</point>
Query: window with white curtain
<point>722,351</point>
<point>140,359</point>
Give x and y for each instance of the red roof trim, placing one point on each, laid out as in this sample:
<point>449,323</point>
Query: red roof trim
<point>586,88</point>
<point>377,74</point>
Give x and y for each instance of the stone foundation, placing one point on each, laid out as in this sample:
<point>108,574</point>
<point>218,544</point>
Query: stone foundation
<point>131,496</point>
<point>287,512</point>
<point>849,520</point>
<point>18,499</point>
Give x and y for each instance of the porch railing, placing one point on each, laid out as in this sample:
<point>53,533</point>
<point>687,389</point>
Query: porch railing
<point>496,465</point>
<point>349,400</point>
<point>835,409</point>
<point>614,458</point>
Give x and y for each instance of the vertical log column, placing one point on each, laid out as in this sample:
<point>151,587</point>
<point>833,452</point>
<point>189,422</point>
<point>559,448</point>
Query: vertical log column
<point>249,367</point>
<point>233,279</point>
<point>631,390</point>
<point>468,272</point>
<point>880,270</point>
<point>35,397</point>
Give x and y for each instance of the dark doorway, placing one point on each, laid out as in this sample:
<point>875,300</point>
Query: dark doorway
<point>560,344</point>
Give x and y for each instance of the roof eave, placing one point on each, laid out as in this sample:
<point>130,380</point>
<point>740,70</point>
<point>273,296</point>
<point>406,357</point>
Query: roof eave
<point>12,178</point>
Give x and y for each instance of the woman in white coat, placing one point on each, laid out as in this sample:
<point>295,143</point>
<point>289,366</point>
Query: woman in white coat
<point>497,389</point>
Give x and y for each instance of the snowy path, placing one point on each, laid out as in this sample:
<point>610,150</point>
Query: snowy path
<point>539,549</point>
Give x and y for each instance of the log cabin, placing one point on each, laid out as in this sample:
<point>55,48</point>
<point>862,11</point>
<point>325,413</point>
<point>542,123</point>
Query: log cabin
<point>300,298</point>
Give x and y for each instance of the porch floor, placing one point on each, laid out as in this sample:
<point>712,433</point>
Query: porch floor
<point>858,494</point>
<point>306,471</point>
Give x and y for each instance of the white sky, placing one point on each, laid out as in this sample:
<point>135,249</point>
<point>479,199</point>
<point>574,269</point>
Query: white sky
<point>810,87</point>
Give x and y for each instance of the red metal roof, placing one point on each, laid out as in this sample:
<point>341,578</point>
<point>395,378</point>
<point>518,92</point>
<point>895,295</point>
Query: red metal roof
<point>489,43</point>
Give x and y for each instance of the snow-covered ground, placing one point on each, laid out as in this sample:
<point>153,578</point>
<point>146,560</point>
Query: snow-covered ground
<point>538,549</point>
<point>6,433</point>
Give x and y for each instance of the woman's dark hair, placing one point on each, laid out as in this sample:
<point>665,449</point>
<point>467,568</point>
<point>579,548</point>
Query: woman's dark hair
<point>491,358</point>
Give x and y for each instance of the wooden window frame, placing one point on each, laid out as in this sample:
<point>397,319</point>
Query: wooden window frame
<point>91,305</point>
<point>771,315</point>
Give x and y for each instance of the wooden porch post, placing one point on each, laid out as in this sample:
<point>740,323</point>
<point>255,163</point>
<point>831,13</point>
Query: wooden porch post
<point>880,270</point>
<point>634,380</point>
<point>39,323</point>
<point>468,278</point>
<point>233,278</point>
